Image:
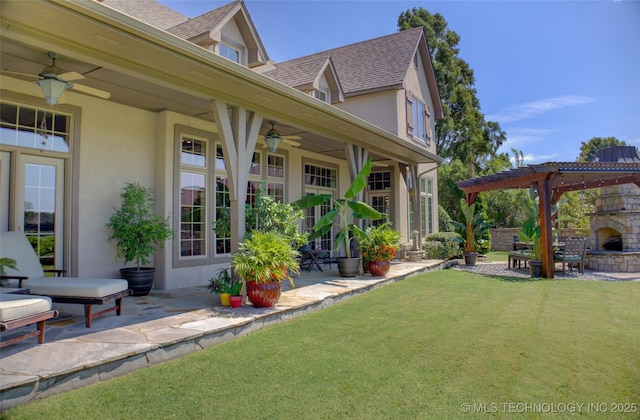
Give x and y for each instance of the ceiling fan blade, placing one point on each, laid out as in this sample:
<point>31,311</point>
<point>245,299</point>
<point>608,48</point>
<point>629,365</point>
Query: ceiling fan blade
<point>91,91</point>
<point>292,137</point>
<point>16,73</point>
<point>70,76</point>
<point>291,142</point>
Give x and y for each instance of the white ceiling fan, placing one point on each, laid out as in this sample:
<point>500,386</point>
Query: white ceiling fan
<point>54,78</point>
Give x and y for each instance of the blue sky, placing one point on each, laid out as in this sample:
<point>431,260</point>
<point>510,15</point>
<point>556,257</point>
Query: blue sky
<point>552,73</point>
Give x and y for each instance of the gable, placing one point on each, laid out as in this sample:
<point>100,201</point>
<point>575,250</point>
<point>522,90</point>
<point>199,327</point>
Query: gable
<point>232,23</point>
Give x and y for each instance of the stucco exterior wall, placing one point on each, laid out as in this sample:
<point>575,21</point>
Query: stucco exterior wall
<point>380,108</point>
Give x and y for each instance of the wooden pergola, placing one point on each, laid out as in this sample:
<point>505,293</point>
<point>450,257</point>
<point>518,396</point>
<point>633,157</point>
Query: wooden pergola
<point>616,165</point>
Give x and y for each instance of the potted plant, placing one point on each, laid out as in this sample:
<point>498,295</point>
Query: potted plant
<point>6,262</point>
<point>530,234</point>
<point>136,229</point>
<point>474,227</point>
<point>339,215</point>
<point>378,245</point>
<point>224,285</point>
<point>264,260</point>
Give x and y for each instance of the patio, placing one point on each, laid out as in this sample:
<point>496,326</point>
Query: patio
<point>160,327</point>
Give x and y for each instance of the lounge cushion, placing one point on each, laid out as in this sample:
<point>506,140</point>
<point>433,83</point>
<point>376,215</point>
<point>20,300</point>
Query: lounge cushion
<point>20,306</point>
<point>75,287</point>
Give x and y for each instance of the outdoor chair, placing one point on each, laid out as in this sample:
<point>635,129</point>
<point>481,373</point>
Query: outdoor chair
<point>85,291</point>
<point>20,310</point>
<point>572,253</point>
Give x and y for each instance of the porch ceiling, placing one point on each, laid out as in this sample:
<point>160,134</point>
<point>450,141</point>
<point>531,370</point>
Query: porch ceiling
<point>146,68</point>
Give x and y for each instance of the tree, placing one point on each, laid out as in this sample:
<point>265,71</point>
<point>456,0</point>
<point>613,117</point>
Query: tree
<point>463,133</point>
<point>590,150</point>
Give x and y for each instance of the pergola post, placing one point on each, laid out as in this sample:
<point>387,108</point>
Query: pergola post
<point>546,237</point>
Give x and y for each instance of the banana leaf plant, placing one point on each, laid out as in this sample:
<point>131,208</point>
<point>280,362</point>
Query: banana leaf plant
<point>474,227</point>
<point>339,213</point>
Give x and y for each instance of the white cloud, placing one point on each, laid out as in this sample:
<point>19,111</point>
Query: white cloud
<point>535,108</point>
<point>519,136</point>
<point>533,158</point>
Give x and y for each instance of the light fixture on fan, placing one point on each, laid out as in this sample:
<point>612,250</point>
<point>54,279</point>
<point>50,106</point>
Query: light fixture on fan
<point>52,86</point>
<point>272,138</point>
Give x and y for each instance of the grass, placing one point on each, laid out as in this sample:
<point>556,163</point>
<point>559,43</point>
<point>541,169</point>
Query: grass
<point>420,348</point>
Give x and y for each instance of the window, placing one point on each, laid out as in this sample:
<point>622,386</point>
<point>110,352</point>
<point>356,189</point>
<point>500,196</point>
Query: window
<point>426,208</point>
<point>275,177</point>
<point>204,196</point>
<point>193,197</point>
<point>379,181</point>
<point>33,128</point>
<point>229,52</point>
<point>322,95</point>
<point>418,119</point>
<point>319,180</point>
<point>320,176</point>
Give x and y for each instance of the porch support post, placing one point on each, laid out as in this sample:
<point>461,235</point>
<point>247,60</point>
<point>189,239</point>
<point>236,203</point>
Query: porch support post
<point>238,130</point>
<point>357,157</point>
<point>546,240</point>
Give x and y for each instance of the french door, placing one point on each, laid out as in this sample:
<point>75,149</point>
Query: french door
<point>381,202</point>
<point>39,206</point>
<point>313,214</point>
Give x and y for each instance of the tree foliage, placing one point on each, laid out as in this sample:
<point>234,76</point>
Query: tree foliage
<point>463,133</point>
<point>590,150</point>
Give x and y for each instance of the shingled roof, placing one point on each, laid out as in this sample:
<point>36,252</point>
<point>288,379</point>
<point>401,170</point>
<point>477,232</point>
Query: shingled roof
<point>202,23</point>
<point>364,66</point>
<point>148,11</point>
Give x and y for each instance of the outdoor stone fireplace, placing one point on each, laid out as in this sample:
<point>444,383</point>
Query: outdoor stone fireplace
<point>615,230</point>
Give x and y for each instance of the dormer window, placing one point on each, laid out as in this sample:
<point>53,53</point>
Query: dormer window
<point>229,52</point>
<point>322,95</point>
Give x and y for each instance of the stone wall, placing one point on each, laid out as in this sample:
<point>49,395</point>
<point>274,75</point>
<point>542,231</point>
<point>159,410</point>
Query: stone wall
<point>613,261</point>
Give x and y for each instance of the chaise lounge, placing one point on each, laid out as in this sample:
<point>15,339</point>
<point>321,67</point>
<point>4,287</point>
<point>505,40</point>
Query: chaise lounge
<point>20,310</point>
<point>31,275</point>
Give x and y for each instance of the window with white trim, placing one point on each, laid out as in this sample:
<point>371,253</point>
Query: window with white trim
<point>229,52</point>
<point>322,94</point>
<point>193,197</point>
<point>418,119</point>
<point>426,208</point>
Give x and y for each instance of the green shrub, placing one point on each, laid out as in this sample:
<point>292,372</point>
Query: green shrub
<point>442,245</point>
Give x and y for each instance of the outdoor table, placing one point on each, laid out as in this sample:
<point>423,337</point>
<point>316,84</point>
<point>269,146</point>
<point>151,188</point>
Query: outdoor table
<point>314,254</point>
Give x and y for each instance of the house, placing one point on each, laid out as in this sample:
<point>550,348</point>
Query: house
<point>183,106</point>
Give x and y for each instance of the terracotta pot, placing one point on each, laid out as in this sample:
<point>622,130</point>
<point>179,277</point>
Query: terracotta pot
<point>264,295</point>
<point>224,299</point>
<point>379,268</point>
<point>235,301</point>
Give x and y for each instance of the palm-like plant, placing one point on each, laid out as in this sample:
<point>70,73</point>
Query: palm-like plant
<point>266,257</point>
<point>339,213</point>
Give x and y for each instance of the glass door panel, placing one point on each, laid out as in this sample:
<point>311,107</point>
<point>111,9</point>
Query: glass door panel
<point>40,204</point>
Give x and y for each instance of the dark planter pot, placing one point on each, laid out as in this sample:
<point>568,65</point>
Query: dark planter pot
<point>140,281</point>
<point>379,268</point>
<point>348,267</point>
<point>535,267</point>
<point>470,258</point>
<point>264,295</point>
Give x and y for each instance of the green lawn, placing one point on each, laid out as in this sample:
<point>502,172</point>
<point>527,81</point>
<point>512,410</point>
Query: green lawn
<point>420,348</point>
